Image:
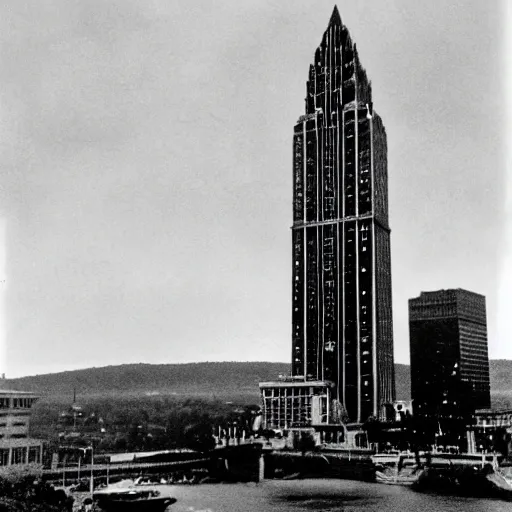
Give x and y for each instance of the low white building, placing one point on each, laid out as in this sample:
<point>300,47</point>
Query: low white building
<point>18,452</point>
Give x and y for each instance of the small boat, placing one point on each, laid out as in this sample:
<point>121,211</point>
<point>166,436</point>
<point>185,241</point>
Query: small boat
<point>395,476</point>
<point>132,500</point>
<point>500,478</point>
<point>393,470</point>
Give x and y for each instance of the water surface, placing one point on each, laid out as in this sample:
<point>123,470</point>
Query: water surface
<point>320,496</point>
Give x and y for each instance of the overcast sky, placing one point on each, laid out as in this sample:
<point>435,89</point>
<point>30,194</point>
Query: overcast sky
<point>146,170</point>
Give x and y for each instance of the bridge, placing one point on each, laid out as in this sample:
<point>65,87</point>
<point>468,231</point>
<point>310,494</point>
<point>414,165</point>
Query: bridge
<point>75,472</point>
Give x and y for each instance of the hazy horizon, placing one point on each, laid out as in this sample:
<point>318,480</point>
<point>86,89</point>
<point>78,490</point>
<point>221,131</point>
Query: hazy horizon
<point>146,188</point>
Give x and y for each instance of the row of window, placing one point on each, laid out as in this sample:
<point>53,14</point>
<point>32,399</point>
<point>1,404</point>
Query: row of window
<point>16,403</point>
<point>292,391</point>
<point>497,421</point>
<point>19,455</point>
<point>3,424</point>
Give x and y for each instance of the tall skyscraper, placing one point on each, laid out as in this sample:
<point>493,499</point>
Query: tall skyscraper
<point>449,358</point>
<point>341,302</point>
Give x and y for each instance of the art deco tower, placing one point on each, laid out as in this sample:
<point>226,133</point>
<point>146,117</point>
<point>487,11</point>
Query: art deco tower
<point>341,301</point>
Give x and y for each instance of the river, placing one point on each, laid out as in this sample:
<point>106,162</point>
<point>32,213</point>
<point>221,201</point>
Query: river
<point>320,496</point>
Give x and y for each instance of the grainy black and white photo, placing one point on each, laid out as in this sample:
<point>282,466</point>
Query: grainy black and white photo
<point>255,256</point>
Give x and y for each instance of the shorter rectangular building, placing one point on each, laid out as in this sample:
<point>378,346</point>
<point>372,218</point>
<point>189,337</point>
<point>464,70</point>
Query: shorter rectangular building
<point>449,355</point>
<point>449,362</point>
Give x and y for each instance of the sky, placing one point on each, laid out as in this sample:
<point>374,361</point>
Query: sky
<point>146,171</point>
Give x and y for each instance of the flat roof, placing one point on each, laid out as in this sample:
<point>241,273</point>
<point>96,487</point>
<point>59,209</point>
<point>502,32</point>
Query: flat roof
<point>20,442</point>
<point>495,412</point>
<point>15,392</point>
<point>295,384</point>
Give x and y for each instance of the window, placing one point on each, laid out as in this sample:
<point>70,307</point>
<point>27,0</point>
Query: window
<point>329,246</point>
<point>18,455</point>
<point>360,440</point>
<point>34,454</point>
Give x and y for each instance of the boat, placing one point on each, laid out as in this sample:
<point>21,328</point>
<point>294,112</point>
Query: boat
<point>396,469</point>
<point>394,476</point>
<point>399,476</point>
<point>132,500</point>
<point>500,477</point>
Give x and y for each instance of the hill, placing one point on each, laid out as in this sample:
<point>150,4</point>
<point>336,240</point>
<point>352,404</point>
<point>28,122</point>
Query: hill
<point>206,379</point>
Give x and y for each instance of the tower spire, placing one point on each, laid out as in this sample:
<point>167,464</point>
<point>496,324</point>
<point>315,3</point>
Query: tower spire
<point>335,17</point>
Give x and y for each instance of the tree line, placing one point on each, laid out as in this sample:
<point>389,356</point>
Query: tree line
<point>144,423</point>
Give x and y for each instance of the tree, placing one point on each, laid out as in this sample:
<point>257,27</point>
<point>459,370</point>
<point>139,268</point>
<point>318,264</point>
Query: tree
<point>306,442</point>
<point>199,437</point>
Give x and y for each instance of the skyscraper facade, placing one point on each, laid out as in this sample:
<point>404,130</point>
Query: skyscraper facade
<point>449,355</point>
<point>341,295</point>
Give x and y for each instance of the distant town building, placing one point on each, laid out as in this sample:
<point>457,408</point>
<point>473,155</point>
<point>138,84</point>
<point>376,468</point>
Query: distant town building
<point>449,357</point>
<point>491,432</point>
<point>341,293</point>
<point>77,425</point>
<point>403,410</point>
<point>18,452</point>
